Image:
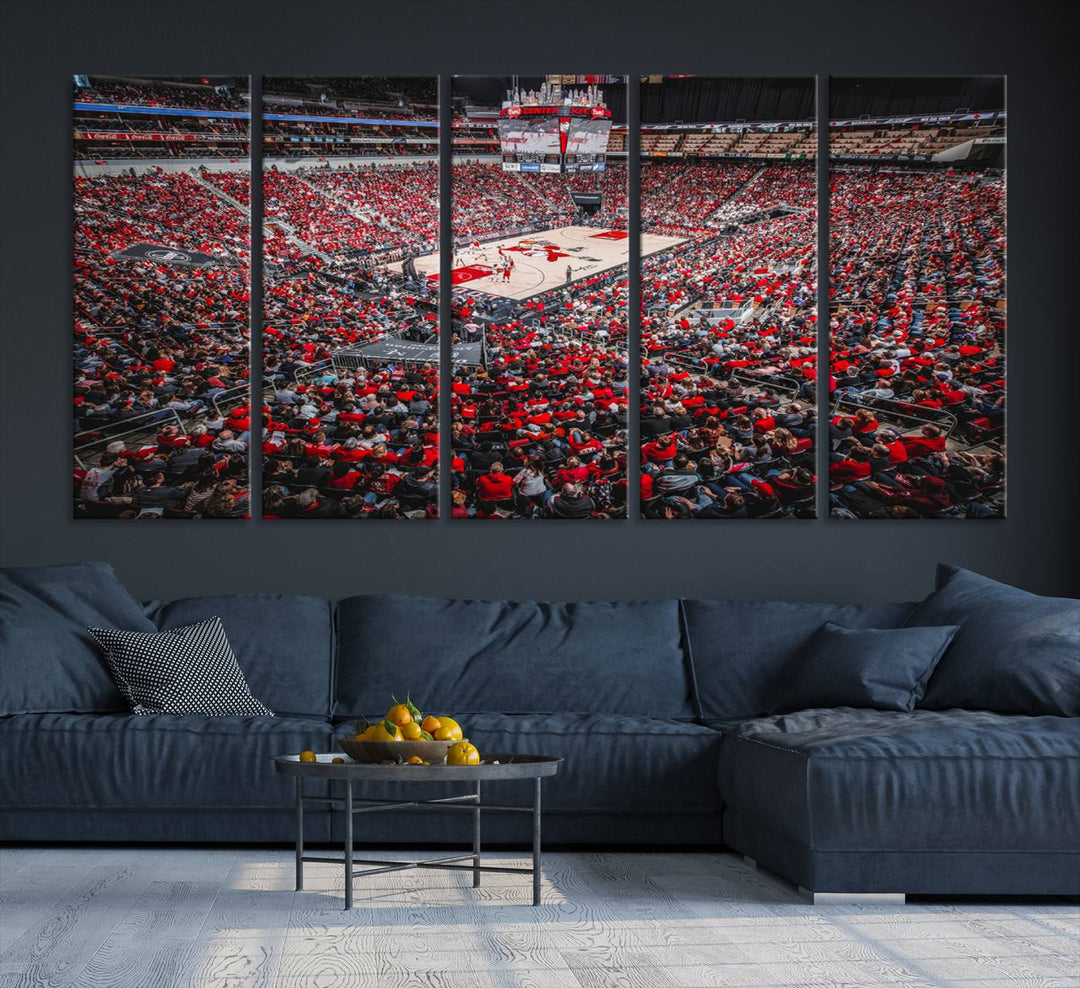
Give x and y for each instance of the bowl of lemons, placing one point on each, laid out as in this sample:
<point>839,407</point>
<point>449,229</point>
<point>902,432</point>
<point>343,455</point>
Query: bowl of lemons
<point>407,736</point>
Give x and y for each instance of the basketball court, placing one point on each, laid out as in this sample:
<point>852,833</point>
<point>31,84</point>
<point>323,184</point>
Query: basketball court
<point>540,260</point>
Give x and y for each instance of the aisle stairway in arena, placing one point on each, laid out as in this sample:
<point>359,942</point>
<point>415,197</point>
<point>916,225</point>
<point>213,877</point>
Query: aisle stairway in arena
<point>536,189</point>
<point>349,205</point>
<point>305,246</point>
<point>735,194</point>
<point>287,230</point>
<point>218,191</point>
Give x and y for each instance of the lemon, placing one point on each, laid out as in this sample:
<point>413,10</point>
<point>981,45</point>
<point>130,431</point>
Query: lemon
<point>308,756</point>
<point>448,730</point>
<point>385,731</point>
<point>462,753</point>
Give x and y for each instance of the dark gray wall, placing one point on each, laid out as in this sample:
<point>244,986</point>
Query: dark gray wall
<point>44,43</point>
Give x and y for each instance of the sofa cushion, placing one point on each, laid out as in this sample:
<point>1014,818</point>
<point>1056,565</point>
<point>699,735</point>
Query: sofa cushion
<point>475,656</point>
<point>189,670</point>
<point>118,761</point>
<point>284,644</point>
<point>614,763</point>
<point>1015,652</point>
<point>865,780</point>
<point>48,661</point>
<point>743,652</point>
<point>882,669</point>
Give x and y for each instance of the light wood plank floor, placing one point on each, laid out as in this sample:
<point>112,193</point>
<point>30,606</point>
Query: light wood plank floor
<point>196,918</point>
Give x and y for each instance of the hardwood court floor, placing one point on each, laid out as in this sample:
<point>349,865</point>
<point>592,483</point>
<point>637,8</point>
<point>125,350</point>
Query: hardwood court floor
<point>541,259</point>
<point>188,918</point>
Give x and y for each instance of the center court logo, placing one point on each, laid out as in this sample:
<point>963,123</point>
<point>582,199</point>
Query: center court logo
<point>168,255</point>
<point>539,248</point>
<point>164,254</point>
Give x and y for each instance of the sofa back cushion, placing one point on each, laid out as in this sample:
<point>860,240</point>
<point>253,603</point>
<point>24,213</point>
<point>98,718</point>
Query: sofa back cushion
<point>497,656</point>
<point>48,661</point>
<point>284,644</point>
<point>743,652</point>
<point>1015,652</point>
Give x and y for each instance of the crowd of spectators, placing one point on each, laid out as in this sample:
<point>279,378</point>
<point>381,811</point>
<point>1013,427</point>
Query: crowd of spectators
<point>730,342</point>
<point>217,93</point>
<point>332,137</point>
<point>400,96</point>
<point>540,430</point>
<point>356,209</point>
<point>349,438</point>
<point>488,201</point>
<point>349,443</point>
<point>395,199</point>
<point>342,441</point>
<point>728,401</point>
<point>682,198</point>
<point>160,350</point>
<point>545,413</point>
<point>174,208</point>
<point>361,442</point>
<point>917,329</point>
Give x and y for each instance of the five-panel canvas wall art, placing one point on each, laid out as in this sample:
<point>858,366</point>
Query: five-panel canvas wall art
<point>689,375</point>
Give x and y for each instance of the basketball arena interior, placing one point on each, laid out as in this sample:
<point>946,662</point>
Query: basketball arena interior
<point>540,371</point>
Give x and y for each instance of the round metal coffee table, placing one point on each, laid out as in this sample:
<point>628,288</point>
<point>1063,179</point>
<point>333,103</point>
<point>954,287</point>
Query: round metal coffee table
<point>535,767</point>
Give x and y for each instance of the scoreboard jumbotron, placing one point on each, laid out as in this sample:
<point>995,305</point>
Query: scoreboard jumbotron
<point>555,138</point>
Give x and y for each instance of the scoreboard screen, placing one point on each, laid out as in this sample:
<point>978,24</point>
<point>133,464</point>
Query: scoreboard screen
<point>554,139</point>
<point>529,136</point>
<point>588,136</point>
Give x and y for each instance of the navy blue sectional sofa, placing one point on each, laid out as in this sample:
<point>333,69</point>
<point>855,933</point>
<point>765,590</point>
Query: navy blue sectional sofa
<point>662,710</point>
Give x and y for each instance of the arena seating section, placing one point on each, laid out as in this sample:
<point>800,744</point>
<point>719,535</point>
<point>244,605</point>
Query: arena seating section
<point>161,370</point>
<point>729,339</point>
<point>917,330</point>
<point>904,141</point>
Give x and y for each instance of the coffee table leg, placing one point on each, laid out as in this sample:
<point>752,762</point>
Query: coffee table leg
<point>299,833</point>
<point>536,841</point>
<point>476,840</point>
<point>348,844</point>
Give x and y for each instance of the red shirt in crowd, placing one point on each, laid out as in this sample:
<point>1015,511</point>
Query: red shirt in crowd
<point>494,486</point>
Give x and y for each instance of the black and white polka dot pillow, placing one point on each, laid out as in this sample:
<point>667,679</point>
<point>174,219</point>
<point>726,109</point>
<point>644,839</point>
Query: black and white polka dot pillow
<point>190,670</point>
